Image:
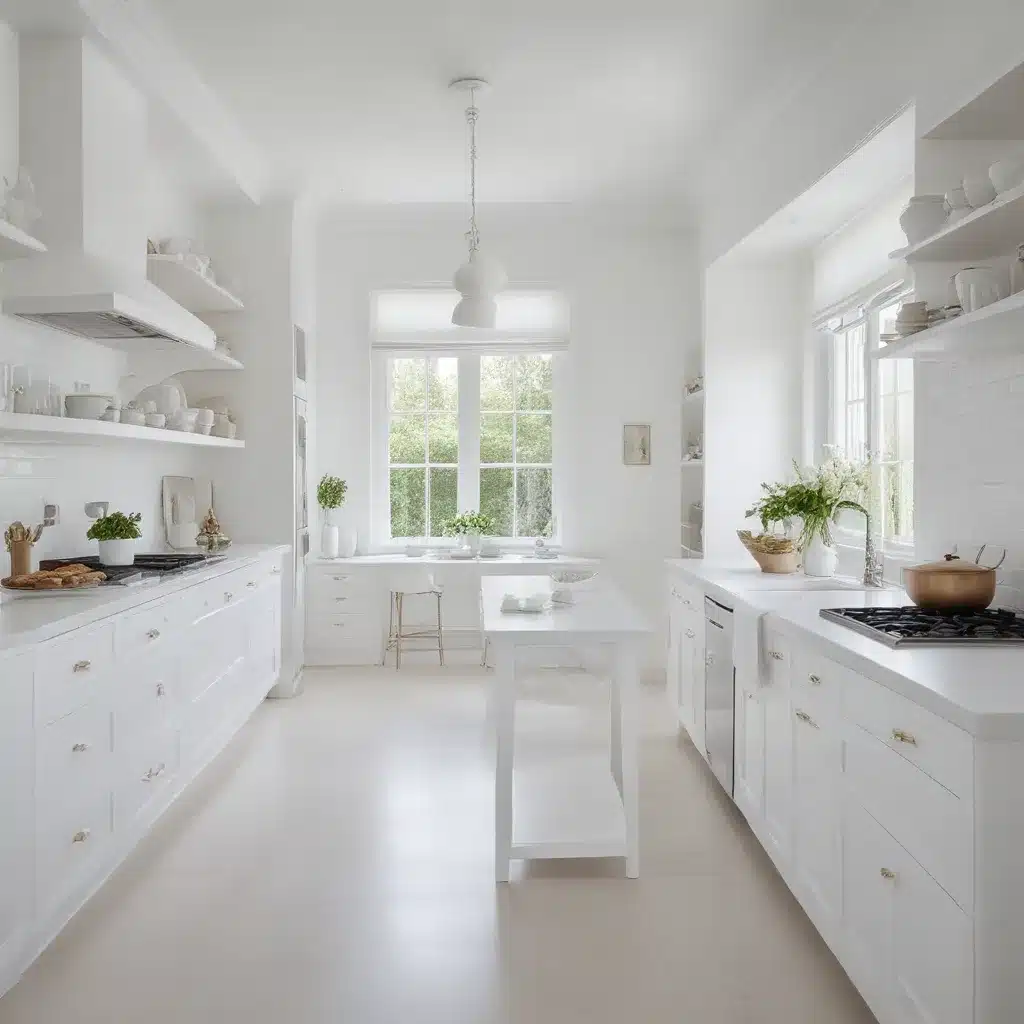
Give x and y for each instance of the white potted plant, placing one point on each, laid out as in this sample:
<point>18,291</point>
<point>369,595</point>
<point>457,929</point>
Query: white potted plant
<point>330,496</point>
<point>470,528</point>
<point>116,534</point>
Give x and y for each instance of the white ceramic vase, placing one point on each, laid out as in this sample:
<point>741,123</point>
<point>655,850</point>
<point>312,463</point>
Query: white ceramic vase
<point>471,542</point>
<point>348,540</point>
<point>329,541</point>
<point>820,559</point>
<point>117,552</point>
<point>923,216</point>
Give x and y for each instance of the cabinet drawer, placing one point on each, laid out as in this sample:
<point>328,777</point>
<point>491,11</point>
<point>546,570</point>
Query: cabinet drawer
<point>72,838</point>
<point>817,685</point>
<point>145,694</point>
<point>327,582</point>
<point>689,598</point>
<point>777,659</point>
<point>936,746</point>
<point>145,630</point>
<point>329,630</point>
<point>73,754</point>
<point>70,670</point>
<point>144,772</point>
<point>933,824</point>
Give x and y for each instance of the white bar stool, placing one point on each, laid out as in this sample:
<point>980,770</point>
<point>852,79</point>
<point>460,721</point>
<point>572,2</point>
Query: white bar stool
<point>411,582</point>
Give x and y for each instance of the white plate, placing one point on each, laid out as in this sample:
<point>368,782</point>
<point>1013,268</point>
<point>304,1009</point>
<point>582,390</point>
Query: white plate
<point>52,592</point>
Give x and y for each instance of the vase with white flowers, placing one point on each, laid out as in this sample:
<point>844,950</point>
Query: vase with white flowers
<point>470,528</point>
<point>330,496</point>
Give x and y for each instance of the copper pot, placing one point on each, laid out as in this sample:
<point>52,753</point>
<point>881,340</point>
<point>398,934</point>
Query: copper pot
<point>952,583</point>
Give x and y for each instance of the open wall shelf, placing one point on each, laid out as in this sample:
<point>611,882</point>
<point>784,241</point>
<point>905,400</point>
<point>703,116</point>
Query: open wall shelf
<point>27,428</point>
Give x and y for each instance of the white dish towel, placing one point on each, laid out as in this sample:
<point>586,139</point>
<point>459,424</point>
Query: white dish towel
<point>533,604</point>
<point>746,645</point>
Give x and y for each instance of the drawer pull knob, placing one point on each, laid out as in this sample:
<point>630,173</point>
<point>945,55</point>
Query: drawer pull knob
<point>340,579</point>
<point>886,873</point>
<point>276,571</point>
<point>252,584</point>
<point>341,599</point>
<point>814,680</point>
<point>80,748</point>
<point>154,634</point>
<point>775,655</point>
<point>80,836</point>
<point>804,717</point>
<point>228,596</point>
<point>81,666</point>
<point>154,773</point>
<point>690,634</point>
<point>161,690</point>
<point>903,737</point>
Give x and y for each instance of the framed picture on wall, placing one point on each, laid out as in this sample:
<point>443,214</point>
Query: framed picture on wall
<point>636,444</point>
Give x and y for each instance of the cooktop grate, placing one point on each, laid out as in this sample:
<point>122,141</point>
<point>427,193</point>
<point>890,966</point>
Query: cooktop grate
<point>898,627</point>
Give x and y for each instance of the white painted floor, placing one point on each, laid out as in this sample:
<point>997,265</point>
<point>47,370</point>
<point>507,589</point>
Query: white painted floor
<point>336,864</point>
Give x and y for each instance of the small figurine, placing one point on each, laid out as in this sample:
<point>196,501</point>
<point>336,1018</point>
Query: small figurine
<point>210,537</point>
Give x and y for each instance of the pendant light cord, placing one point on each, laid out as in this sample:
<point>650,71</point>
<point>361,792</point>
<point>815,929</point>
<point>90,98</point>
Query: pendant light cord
<point>473,235</point>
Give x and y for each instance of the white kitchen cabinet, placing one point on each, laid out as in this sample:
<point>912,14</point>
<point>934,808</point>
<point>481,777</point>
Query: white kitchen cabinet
<point>748,782</point>
<point>16,813</point>
<point>817,855</point>
<point>778,746</point>
<point>906,943</point>
<point>102,727</point>
<point>686,613</point>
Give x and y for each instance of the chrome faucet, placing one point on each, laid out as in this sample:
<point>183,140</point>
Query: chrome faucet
<point>873,568</point>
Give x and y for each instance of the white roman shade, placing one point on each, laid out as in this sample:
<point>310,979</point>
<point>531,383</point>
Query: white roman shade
<point>419,319</point>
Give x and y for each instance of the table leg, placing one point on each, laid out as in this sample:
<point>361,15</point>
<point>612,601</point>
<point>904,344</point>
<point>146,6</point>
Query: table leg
<point>616,720</point>
<point>624,686</point>
<point>503,700</point>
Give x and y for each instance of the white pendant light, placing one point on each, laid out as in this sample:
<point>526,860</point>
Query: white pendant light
<point>479,279</point>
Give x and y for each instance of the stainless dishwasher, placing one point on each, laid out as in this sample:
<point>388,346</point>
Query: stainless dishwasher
<point>719,700</point>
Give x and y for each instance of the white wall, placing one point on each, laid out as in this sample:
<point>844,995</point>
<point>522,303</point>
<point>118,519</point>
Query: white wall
<point>934,54</point>
<point>756,314</point>
<point>633,291</point>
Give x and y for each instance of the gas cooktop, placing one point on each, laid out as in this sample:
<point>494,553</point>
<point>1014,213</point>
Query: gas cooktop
<point>145,566</point>
<point>910,625</point>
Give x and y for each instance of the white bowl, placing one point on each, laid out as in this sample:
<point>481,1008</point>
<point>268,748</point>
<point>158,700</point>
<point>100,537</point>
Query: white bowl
<point>205,418</point>
<point>87,406</point>
<point>1007,174</point>
<point>156,419</point>
<point>204,429</point>
<point>979,190</point>
<point>133,417</point>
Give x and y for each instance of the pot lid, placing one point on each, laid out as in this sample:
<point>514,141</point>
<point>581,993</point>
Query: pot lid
<point>954,565</point>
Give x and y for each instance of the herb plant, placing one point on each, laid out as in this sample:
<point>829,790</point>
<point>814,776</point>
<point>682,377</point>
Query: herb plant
<point>816,497</point>
<point>470,522</point>
<point>116,526</point>
<point>330,492</point>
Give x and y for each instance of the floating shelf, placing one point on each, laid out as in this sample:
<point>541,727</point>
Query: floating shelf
<point>989,231</point>
<point>693,462</point>
<point>16,244</point>
<point>24,427</point>
<point>991,328</point>
<point>189,288</point>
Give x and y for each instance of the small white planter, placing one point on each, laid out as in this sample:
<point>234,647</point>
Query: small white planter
<point>329,541</point>
<point>819,559</point>
<point>471,542</point>
<point>117,552</point>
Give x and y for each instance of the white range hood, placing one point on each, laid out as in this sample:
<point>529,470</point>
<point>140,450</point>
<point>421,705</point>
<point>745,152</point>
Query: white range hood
<point>83,135</point>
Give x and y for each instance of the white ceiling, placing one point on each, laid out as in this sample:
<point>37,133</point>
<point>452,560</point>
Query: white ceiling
<point>590,101</point>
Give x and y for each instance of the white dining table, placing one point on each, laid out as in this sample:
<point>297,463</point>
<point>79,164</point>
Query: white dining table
<point>582,808</point>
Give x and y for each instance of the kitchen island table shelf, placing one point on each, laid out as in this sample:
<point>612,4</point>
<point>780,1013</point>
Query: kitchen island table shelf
<point>26,428</point>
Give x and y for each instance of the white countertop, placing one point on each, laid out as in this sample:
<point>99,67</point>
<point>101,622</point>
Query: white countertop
<point>503,563</point>
<point>30,620</point>
<point>979,688</point>
<point>728,580</point>
<point>602,613</point>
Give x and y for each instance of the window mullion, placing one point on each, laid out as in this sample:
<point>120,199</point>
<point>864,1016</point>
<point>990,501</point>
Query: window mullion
<point>515,448</point>
<point>469,432</point>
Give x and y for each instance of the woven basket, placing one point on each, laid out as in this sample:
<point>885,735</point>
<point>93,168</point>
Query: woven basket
<point>781,562</point>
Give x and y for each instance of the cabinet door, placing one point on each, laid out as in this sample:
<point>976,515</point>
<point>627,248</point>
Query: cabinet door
<point>675,628</point>
<point>698,689</point>
<point>932,950</point>
<point>749,774</point>
<point>778,767</point>
<point>684,672</point>
<point>816,813</point>
<point>871,859</point>
<point>16,760</point>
